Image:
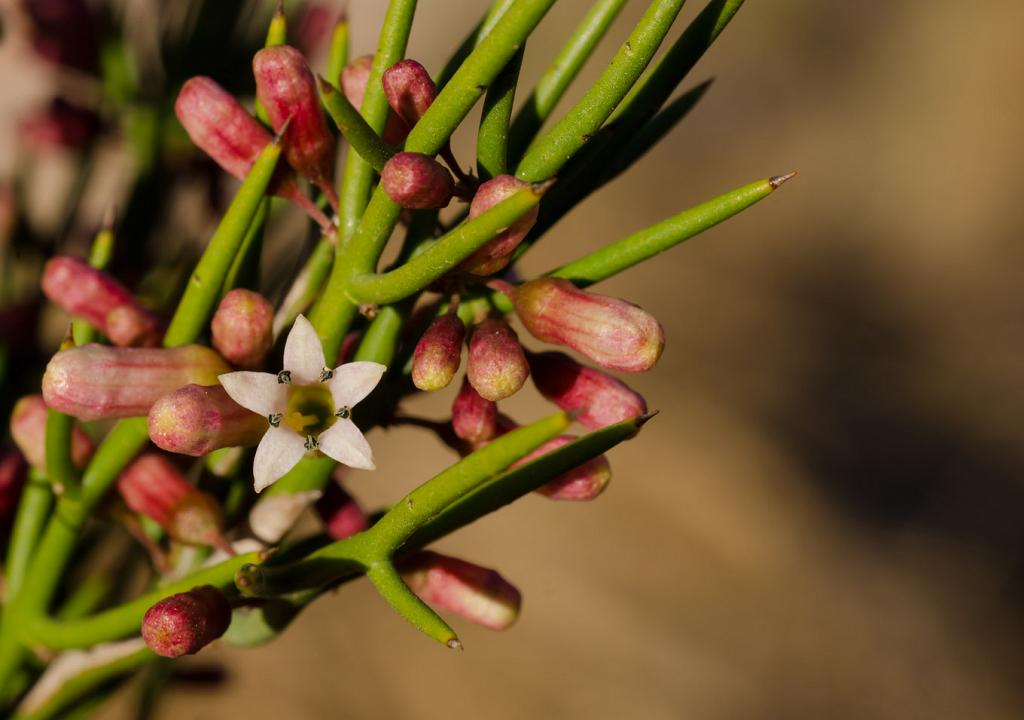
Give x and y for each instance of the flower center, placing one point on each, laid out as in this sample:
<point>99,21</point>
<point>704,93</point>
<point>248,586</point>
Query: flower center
<point>310,409</point>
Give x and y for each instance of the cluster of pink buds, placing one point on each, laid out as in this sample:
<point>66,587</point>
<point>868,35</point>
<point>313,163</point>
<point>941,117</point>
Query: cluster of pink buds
<point>353,81</point>
<point>185,623</point>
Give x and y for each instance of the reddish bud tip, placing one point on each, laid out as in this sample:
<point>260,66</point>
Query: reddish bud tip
<point>497,253</point>
<point>598,398</point>
<point>341,515</point>
<point>242,328</point>
<point>474,419</point>
<point>12,479</point>
<point>195,419</point>
<point>417,181</point>
<point>438,353</point>
<point>409,89</point>
<point>475,593</point>
<point>28,430</point>
<point>353,81</point>
<point>497,366</point>
<point>613,333</point>
<point>185,623</point>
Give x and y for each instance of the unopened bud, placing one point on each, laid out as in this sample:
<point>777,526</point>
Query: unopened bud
<point>196,419</point>
<point>474,419</point>
<point>287,89</point>
<point>224,130</point>
<point>597,397</point>
<point>28,430</point>
<point>409,89</point>
<point>353,81</point>
<point>12,479</point>
<point>417,181</point>
<point>94,382</point>
<point>153,486</point>
<point>341,515</point>
<point>497,366</point>
<point>438,353</point>
<point>477,594</point>
<point>185,623</point>
<point>242,328</point>
<point>613,333</point>
<point>95,296</point>
<point>497,253</point>
<point>584,482</point>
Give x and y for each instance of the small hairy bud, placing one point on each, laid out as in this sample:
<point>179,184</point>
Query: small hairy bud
<point>417,181</point>
<point>340,513</point>
<point>474,419</point>
<point>438,353</point>
<point>96,297</point>
<point>613,333</point>
<point>599,398</point>
<point>353,80</point>
<point>242,328</point>
<point>12,479</point>
<point>409,89</point>
<point>185,623</point>
<point>153,486</point>
<point>497,253</point>
<point>196,419</point>
<point>497,366</point>
<point>28,430</point>
<point>584,482</point>
<point>287,89</point>
<point>475,593</point>
<point>93,382</point>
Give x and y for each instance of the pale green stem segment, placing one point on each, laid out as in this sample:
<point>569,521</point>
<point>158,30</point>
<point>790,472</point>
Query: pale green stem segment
<point>59,465</point>
<point>100,255</point>
<point>245,268</point>
<point>360,136</point>
<point>33,509</point>
<point>560,74</point>
<point>486,24</point>
<point>551,151</point>
<point>277,34</point>
<point>307,284</point>
<point>492,138</point>
<point>338,51</point>
<point>393,589</point>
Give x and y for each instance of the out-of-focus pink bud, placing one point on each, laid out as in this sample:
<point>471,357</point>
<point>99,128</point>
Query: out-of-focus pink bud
<point>497,366</point>
<point>242,328</point>
<point>477,594</point>
<point>353,82</point>
<point>613,333</point>
<point>497,253</point>
<point>95,296</point>
<point>195,419</point>
<point>64,32</point>
<point>94,382</point>
<point>12,479</point>
<point>185,623</point>
<point>313,29</point>
<point>438,353</point>
<point>340,513</point>
<point>409,89</point>
<point>153,486</point>
<point>417,181</point>
<point>287,89</point>
<point>599,398</point>
<point>221,127</point>
<point>60,124</point>
<point>473,418</point>
<point>584,482</point>
<point>28,430</point>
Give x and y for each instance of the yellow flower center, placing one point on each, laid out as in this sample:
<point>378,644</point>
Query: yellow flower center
<point>310,409</point>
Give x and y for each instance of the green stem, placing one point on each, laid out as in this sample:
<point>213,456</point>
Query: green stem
<point>393,589</point>
<point>59,465</point>
<point>337,54</point>
<point>492,138</point>
<point>33,509</point>
<point>245,267</point>
<point>100,255</point>
<point>361,137</point>
<point>307,284</point>
<point>277,34</point>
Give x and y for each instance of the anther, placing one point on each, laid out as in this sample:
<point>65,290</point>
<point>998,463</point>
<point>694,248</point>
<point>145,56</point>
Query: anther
<point>275,419</point>
<point>311,443</point>
<point>344,413</point>
<point>284,377</point>
<point>326,374</point>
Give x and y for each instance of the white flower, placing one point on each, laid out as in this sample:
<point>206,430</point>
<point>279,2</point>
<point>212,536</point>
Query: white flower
<point>308,405</point>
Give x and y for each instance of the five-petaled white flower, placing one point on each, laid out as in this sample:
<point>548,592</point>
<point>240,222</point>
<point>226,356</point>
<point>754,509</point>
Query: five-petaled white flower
<point>308,405</point>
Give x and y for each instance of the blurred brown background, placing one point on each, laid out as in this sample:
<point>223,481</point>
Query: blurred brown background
<point>824,519</point>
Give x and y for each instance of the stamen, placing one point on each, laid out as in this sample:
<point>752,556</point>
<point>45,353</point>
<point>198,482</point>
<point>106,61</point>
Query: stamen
<point>275,419</point>
<point>311,443</point>
<point>344,413</point>
<point>326,375</point>
<point>284,377</point>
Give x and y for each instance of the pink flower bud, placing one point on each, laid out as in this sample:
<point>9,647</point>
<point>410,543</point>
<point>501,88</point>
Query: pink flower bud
<point>185,623</point>
<point>194,420</point>
<point>28,430</point>
<point>153,486</point>
<point>242,328</point>
<point>438,353</point>
<point>12,479</point>
<point>584,482</point>
<point>477,594</point>
<point>613,333</point>
<point>417,181</point>
<point>93,382</point>
<point>340,513</point>
<point>497,365</point>
<point>497,253</point>
<point>473,418</point>
<point>599,398</point>
<point>409,89</point>
<point>221,127</point>
<point>95,296</point>
<point>353,82</point>
<point>288,91</point>
<point>59,125</point>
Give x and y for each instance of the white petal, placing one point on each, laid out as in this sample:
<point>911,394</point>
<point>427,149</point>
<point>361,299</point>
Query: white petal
<point>273,516</point>
<point>279,451</point>
<point>256,391</point>
<point>354,381</point>
<point>303,353</point>
<point>344,443</point>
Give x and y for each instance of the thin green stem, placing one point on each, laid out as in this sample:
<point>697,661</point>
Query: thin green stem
<point>59,465</point>
<point>361,137</point>
<point>492,138</point>
<point>100,255</point>
<point>338,51</point>
<point>245,267</point>
<point>307,284</point>
<point>393,589</point>
<point>277,34</point>
<point>33,510</point>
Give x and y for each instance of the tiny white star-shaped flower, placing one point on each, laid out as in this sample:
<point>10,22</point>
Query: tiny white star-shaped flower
<point>309,406</point>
